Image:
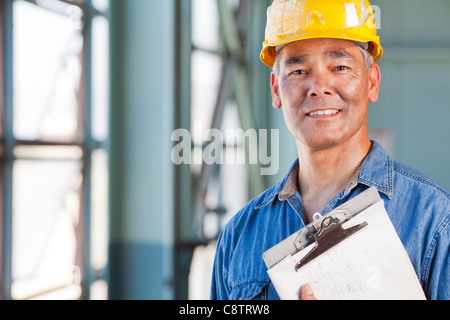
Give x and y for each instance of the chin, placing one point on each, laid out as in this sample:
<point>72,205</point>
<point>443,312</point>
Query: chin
<point>321,143</point>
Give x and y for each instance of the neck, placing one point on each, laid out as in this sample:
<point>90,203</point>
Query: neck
<point>325,173</point>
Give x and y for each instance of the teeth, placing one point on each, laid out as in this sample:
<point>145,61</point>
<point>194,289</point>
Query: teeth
<point>324,112</point>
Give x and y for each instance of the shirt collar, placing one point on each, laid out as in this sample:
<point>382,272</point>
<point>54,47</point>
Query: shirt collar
<point>291,183</point>
<point>376,171</point>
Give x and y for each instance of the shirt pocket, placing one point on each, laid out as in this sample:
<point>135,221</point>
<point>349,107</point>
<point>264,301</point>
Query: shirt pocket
<point>250,290</point>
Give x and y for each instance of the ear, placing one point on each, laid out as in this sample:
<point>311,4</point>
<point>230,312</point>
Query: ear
<point>374,83</point>
<point>275,88</point>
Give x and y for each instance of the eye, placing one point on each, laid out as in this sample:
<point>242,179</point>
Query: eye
<point>342,68</point>
<point>298,72</point>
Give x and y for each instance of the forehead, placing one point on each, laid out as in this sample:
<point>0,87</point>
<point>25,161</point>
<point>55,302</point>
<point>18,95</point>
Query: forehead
<point>328,48</point>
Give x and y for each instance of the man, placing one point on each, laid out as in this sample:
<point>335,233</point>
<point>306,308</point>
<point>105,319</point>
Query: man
<point>323,56</point>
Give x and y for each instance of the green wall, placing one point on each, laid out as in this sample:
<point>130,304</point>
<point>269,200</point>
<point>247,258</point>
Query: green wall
<point>414,103</point>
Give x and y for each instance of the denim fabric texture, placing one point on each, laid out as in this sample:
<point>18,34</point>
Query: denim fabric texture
<point>418,208</point>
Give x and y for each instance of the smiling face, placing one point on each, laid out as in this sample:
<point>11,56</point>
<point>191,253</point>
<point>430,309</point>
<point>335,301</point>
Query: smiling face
<point>324,90</point>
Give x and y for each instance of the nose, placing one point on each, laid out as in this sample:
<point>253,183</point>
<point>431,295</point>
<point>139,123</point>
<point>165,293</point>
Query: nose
<point>320,85</point>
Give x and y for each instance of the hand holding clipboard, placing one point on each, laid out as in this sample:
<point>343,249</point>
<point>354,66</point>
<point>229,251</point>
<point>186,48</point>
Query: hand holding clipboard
<point>352,253</point>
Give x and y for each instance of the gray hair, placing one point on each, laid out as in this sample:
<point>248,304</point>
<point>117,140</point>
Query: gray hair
<point>363,46</point>
<point>368,59</point>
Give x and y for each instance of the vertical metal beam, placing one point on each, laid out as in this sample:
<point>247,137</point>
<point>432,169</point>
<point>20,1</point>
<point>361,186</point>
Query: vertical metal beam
<point>7,17</point>
<point>2,71</point>
<point>183,178</point>
<point>116,144</point>
<point>2,74</point>
<point>183,213</point>
<point>142,58</point>
<point>89,144</point>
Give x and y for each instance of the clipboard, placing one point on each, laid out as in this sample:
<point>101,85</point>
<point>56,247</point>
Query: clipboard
<point>352,253</point>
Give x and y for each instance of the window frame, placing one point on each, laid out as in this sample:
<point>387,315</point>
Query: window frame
<point>8,143</point>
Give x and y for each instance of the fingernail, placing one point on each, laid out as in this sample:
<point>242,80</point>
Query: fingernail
<point>308,290</point>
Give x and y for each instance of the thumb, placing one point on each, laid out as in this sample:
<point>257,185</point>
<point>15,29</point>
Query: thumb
<point>306,293</point>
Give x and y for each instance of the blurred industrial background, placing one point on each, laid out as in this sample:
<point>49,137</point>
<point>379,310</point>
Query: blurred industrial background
<point>93,206</point>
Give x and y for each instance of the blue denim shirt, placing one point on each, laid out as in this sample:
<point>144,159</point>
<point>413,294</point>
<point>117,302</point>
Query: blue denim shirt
<point>418,208</point>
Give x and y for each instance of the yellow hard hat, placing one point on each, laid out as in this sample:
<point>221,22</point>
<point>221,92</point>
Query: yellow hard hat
<point>294,20</point>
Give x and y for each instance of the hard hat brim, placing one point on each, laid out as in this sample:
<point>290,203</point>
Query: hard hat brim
<point>268,53</point>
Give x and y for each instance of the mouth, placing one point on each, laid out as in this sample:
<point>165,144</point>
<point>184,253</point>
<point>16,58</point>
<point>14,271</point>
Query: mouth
<point>324,113</point>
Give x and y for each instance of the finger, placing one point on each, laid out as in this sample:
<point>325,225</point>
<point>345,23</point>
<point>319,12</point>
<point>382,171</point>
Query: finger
<point>306,293</point>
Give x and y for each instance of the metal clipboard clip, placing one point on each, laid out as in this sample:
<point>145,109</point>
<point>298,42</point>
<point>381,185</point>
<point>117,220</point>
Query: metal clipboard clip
<point>330,234</point>
<point>306,236</point>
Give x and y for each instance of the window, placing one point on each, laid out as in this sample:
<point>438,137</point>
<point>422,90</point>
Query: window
<point>219,101</point>
<point>222,187</point>
<point>54,160</point>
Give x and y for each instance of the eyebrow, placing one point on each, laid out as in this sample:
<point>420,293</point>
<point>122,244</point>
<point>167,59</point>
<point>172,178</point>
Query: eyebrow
<point>333,54</point>
<point>296,60</point>
<point>340,54</point>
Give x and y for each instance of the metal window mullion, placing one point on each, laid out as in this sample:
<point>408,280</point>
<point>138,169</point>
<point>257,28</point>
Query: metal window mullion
<point>2,63</point>
<point>7,165</point>
<point>89,146</point>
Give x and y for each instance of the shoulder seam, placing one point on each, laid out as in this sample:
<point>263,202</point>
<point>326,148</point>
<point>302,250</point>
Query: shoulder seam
<point>266,197</point>
<point>424,181</point>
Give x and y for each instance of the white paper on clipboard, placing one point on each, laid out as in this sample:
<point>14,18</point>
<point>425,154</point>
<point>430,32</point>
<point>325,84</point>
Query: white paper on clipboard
<point>370,264</point>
